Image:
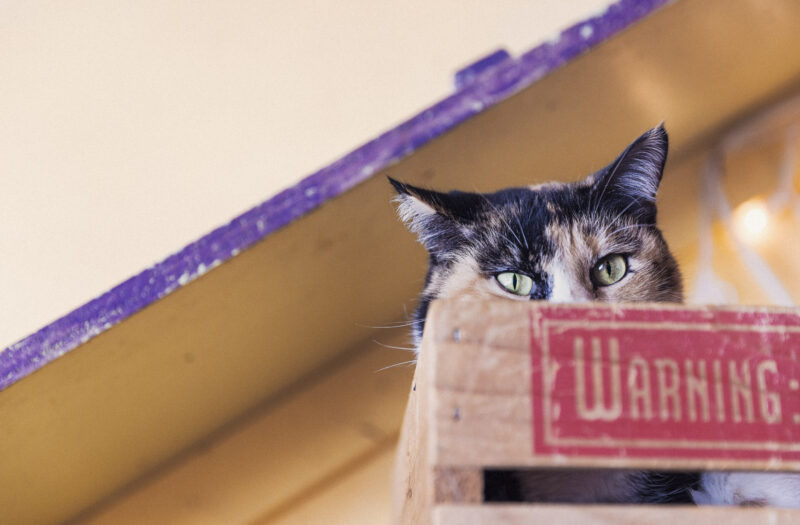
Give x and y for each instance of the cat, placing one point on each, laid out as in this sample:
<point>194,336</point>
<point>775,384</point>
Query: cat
<point>592,240</point>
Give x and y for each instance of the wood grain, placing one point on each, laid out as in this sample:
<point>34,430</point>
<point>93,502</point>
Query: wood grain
<point>609,515</point>
<point>412,486</point>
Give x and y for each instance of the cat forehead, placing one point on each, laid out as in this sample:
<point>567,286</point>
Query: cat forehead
<point>551,199</point>
<point>515,227</point>
<point>533,224</point>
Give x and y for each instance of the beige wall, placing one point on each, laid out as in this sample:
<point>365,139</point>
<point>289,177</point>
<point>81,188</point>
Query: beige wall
<point>128,129</point>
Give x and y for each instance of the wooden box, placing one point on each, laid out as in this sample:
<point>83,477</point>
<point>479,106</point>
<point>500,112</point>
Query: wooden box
<point>507,385</point>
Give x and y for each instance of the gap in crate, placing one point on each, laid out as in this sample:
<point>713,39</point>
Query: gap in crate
<point>504,486</point>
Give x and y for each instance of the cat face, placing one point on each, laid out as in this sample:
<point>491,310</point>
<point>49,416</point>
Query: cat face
<point>593,240</point>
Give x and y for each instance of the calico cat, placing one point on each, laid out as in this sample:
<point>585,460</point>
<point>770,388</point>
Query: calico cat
<point>592,240</point>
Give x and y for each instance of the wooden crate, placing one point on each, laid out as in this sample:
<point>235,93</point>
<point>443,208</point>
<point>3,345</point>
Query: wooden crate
<point>512,385</point>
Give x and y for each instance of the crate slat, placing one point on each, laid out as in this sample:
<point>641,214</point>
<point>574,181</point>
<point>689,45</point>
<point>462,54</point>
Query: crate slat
<point>608,515</point>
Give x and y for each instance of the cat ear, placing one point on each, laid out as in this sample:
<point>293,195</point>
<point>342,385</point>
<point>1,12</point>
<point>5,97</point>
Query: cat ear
<point>630,183</point>
<point>421,204</point>
<point>437,218</point>
<point>415,205</point>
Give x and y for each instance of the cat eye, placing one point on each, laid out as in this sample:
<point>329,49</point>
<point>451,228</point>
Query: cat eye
<point>609,270</point>
<point>515,283</point>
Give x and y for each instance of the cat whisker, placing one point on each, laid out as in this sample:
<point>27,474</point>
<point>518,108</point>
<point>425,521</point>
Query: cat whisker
<point>404,348</point>
<point>391,327</point>
<point>394,327</point>
<point>406,363</point>
<point>399,324</point>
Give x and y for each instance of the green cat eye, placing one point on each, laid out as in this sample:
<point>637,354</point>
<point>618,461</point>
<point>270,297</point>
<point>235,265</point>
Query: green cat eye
<point>515,283</point>
<point>609,270</point>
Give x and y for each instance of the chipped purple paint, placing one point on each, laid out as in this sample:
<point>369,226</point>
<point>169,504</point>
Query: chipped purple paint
<point>485,89</point>
<point>469,74</point>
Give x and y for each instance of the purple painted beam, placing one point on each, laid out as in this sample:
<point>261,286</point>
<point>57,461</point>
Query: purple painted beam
<point>480,86</point>
<point>472,72</point>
